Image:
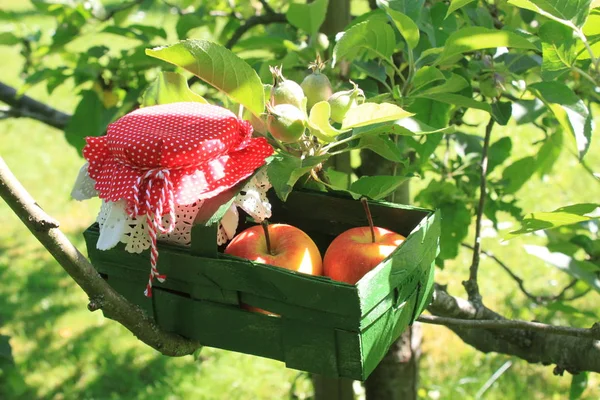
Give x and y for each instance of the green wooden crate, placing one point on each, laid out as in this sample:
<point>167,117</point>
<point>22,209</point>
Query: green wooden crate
<point>326,327</point>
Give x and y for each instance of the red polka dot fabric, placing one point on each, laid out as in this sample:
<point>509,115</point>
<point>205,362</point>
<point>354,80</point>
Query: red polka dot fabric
<point>205,148</point>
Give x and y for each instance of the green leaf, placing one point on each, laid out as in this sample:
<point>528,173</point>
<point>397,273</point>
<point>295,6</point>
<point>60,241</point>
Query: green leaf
<point>170,87</point>
<point>568,12</point>
<point>5,351</point>
<point>568,215</point>
<point>382,145</point>
<point>456,217</point>
<point>318,122</point>
<point>478,38</point>
<point>527,111</point>
<point>456,4</point>
<point>501,111</point>
<point>308,17</point>
<point>426,76</point>
<point>370,38</point>
<point>516,174</point>
<point>432,113</point>
<point>372,113</point>
<point>549,153</point>
<point>558,47</point>
<point>460,101</point>
<point>407,28</point>
<point>7,38</point>
<point>454,83</point>
<point>377,187</point>
<point>569,110</point>
<point>219,67</point>
<point>567,309</point>
<point>406,127</point>
<point>187,22</point>
<point>578,384</point>
<point>89,119</point>
<point>584,270</point>
<point>285,170</point>
<point>499,152</point>
<point>411,8</point>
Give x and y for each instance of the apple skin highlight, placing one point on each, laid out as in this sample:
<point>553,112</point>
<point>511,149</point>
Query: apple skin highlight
<point>352,254</point>
<point>291,248</point>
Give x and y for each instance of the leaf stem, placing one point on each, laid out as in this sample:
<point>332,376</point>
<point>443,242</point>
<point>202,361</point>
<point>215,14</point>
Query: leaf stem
<point>581,35</point>
<point>334,144</point>
<point>365,204</point>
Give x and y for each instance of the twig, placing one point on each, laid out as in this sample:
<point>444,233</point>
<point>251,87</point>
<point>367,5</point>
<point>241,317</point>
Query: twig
<point>25,106</point>
<point>539,299</point>
<point>268,9</point>
<point>592,333</point>
<point>253,21</point>
<point>471,285</point>
<point>120,8</point>
<point>83,273</point>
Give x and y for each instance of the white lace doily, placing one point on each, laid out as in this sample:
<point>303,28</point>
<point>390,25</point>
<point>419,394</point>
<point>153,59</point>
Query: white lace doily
<point>253,200</point>
<point>117,226</point>
<point>83,189</point>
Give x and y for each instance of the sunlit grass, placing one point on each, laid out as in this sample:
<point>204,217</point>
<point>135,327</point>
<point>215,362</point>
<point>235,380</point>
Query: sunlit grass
<point>62,351</point>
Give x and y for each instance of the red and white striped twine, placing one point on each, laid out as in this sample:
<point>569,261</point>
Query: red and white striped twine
<point>154,217</point>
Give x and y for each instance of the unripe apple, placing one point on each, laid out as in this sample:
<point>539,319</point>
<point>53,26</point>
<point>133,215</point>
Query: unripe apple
<point>341,102</point>
<point>316,88</point>
<point>286,122</point>
<point>285,91</point>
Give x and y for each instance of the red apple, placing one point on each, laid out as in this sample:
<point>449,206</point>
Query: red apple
<point>290,248</point>
<point>354,253</point>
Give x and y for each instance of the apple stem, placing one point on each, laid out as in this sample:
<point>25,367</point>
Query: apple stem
<point>265,225</point>
<point>365,204</point>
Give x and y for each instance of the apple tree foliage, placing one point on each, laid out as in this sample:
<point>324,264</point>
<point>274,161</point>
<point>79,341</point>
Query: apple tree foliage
<point>434,73</point>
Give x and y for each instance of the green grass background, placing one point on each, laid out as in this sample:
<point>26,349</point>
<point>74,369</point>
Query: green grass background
<point>62,351</point>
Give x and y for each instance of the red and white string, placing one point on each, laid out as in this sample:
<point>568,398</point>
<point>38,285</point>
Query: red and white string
<point>154,217</point>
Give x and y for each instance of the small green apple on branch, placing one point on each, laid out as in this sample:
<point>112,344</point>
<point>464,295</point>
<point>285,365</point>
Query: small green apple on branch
<point>307,123</point>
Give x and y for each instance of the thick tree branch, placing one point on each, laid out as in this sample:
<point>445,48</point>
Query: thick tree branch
<point>539,299</point>
<point>101,295</point>
<point>471,285</point>
<point>25,106</point>
<point>573,354</point>
<point>592,333</point>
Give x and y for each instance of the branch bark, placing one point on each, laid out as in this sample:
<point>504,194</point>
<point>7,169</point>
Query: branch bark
<point>101,295</point>
<point>471,285</point>
<point>25,106</point>
<point>572,354</point>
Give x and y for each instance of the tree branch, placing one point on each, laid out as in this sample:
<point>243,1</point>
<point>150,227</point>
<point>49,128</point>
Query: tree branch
<point>573,354</point>
<point>539,299</point>
<point>592,333</point>
<point>266,19</point>
<point>471,285</point>
<point>119,8</point>
<point>101,295</point>
<point>268,9</point>
<point>25,106</point>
